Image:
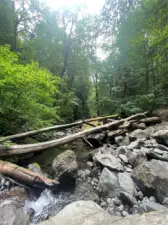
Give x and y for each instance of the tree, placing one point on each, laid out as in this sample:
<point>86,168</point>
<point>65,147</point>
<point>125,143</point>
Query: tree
<point>26,93</point>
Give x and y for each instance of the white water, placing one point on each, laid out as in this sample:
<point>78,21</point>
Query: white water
<point>46,205</point>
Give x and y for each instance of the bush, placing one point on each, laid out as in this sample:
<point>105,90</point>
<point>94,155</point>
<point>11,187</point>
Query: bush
<point>26,93</point>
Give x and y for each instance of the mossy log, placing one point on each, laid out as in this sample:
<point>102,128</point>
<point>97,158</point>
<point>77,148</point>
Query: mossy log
<point>23,149</point>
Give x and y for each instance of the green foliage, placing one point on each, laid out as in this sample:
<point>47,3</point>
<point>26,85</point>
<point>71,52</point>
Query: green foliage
<point>26,93</point>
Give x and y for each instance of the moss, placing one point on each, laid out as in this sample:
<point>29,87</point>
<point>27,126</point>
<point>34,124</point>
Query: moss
<point>36,165</point>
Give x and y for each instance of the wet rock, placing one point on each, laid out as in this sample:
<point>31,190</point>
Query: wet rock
<point>65,167</point>
<point>161,137</point>
<point>109,161</point>
<point>11,215</point>
<point>152,175</point>
<point>17,195</point>
<point>81,213</point>
<point>108,183</point>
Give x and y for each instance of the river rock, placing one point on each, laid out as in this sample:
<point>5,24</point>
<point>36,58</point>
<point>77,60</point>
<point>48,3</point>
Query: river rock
<point>123,158</point>
<point>153,176</point>
<point>122,140</point>
<point>152,218</point>
<point>126,183</point>
<point>152,206</point>
<point>81,213</point>
<point>161,137</point>
<point>65,167</point>
<point>136,157</point>
<point>17,195</point>
<point>134,145</point>
<point>109,161</point>
<point>35,167</point>
<point>108,183</point>
<point>11,215</point>
<point>138,133</point>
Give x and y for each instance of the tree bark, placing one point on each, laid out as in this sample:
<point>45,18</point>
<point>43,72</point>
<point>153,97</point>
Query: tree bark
<point>151,120</point>
<point>26,176</point>
<point>23,149</point>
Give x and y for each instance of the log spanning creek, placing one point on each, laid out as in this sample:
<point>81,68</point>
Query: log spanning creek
<point>110,167</point>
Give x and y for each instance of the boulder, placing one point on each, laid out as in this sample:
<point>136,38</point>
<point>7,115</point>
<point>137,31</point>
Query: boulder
<point>136,157</point>
<point>11,215</point>
<point>152,176</point>
<point>108,183</point>
<point>152,206</point>
<point>152,218</point>
<point>35,167</point>
<point>126,183</point>
<point>17,195</point>
<point>127,188</point>
<point>161,137</point>
<point>65,167</point>
<point>81,213</point>
<point>139,133</point>
<point>134,145</point>
<point>109,161</point>
<point>123,158</point>
<point>122,140</point>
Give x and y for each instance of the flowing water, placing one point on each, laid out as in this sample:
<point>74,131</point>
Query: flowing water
<point>47,204</point>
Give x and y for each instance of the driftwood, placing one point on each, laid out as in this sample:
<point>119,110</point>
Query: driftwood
<point>151,120</point>
<point>57,127</point>
<point>23,149</point>
<point>25,176</point>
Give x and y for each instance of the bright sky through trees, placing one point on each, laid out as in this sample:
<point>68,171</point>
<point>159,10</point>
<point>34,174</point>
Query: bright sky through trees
<point>93,6</point>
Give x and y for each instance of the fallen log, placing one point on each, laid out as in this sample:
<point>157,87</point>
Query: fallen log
<point>23,149</point>
<point>151,120</point>
<point>25,176</point>
<point>56,127</point>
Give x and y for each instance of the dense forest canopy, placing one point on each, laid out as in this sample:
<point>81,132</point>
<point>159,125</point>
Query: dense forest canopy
<point>51,67</point>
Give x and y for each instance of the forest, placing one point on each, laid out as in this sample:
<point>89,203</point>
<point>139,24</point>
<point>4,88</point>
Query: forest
<point>65,65</point>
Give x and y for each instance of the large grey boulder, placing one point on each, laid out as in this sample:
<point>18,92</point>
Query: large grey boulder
<point>109,161</point>
<point>81,213</point>
<point>152,218</point>
<point>154,176</point>
<point>65,166</point>
<point>161,137</point>
<point>152,206</point>
<point>108,183</point>
<point>11,215</point>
